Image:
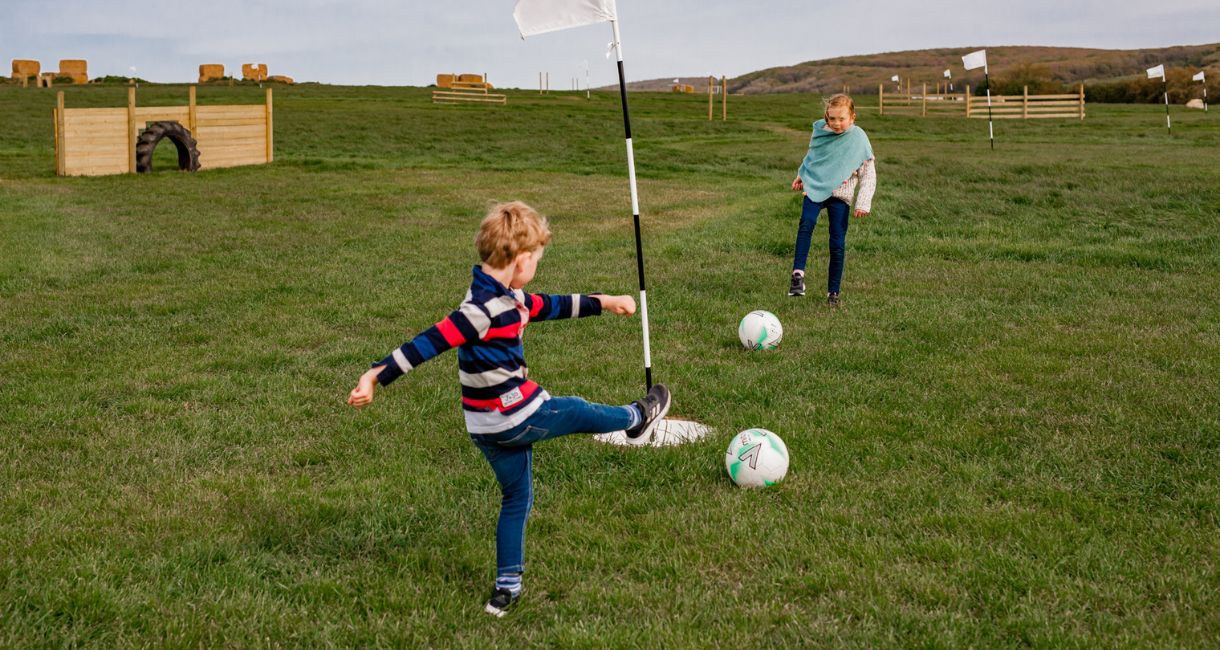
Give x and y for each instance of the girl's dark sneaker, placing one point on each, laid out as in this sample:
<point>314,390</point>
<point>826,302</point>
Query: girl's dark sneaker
<point>832,299</point>
<point>499,602</point>
<point>797,287</point>
<point>653,406</point>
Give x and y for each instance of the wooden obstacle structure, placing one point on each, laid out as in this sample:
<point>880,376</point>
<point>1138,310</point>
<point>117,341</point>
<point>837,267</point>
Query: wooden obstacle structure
<point>723,90</point>
<point>464,89</point>
<point>102,141</point>
<point>1023,106</point>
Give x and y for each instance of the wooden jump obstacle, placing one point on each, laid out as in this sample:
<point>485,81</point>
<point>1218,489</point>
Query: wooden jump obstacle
<point>1024,106</point>
<point>465,92</point>
<point>102,141</point>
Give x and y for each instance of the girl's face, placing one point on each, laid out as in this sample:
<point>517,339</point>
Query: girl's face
<point>839,119</point>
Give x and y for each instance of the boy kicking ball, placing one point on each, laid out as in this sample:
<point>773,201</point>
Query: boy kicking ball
<point>506,413</point>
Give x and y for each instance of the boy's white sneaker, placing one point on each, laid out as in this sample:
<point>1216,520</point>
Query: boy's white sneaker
<point>653,407</point>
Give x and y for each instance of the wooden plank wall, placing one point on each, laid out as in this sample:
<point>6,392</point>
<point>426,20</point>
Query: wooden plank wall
<point>96,141</point>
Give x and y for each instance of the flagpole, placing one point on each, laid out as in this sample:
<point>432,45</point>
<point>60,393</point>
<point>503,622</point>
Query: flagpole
<point>1168,125</point>
<point>635,206</point>
<point>990,127</point>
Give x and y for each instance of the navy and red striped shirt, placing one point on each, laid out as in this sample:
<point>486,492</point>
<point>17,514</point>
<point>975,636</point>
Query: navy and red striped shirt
<point>486,329</point>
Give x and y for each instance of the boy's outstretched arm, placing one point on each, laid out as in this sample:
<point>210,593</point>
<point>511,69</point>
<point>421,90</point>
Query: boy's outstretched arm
<point>469,322</point>
<point>543,306</point>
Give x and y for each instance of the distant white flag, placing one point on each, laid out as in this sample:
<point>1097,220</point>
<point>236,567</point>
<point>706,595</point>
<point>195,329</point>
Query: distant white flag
<point>1199,77</point>
<point>948,75</point>
<point>975,60</point>
<point>1157,72</point>
<point>541,16</point>
<point>894,78</point>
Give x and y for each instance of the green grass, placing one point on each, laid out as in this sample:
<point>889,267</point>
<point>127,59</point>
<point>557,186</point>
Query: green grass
<point>1009,436</point>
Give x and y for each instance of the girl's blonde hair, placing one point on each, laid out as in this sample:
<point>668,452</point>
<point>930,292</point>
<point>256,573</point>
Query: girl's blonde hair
<point>840,99</point>
<point>508,230</point>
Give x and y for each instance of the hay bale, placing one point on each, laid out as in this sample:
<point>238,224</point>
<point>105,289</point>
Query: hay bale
<point>476,78</point>
<point>281,79</point>
<point>24,69</point>
<point>77,69</point>
<point>211,71</point>
<point>445,80</point>
<point>1195,103</point>
<point>254,71</point>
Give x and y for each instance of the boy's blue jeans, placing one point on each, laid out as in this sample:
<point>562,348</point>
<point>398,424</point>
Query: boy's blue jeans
<point>511,454</point>
<point>837,213</point>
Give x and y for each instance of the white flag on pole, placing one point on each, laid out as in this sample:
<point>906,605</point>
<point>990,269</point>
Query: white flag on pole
<point>975,60</point>
<point>1157,72</point>
<point>894,78</point>
<point>1199,77</point>
<point>541,16</point>
<point>948,75</point>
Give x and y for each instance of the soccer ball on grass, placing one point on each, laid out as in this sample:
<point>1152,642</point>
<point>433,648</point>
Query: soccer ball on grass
<point>756,458</point>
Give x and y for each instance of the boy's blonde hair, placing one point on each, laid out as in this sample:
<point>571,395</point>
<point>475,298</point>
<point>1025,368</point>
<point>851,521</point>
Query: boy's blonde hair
<point>840,99</point>
<point>508,230</point>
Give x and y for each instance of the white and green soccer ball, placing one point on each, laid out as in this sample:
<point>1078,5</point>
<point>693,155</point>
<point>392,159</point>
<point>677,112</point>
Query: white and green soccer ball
<point>760,330</point>
<point>756,458</point>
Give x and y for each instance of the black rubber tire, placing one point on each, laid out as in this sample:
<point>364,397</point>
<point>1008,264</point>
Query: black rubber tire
<point>184,142</point>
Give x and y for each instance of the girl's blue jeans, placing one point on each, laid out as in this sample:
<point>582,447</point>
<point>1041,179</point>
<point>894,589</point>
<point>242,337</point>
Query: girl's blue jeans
<point>837,214</point>
<point>511,455</point>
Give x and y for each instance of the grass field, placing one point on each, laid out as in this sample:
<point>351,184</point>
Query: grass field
<point>1010,436</point>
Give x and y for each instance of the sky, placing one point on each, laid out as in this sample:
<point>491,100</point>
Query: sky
<point>407,42</point>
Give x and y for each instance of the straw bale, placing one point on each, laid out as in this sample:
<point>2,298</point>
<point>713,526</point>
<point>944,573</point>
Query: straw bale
<point>210,71</point>
<point>24,68</point>
<point>281,78</point>
<point>477,78</point>
<point>77,69</point>
<point>445,80</point>
<point>254,71</point>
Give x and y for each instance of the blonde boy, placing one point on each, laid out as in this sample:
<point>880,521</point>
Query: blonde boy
<point>506,412</point>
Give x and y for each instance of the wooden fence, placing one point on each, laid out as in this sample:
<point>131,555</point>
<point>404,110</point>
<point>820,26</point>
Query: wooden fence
<point>464,92</point>
<point>921,104</point>
<point>101,141</point>
<point>1024,106</point>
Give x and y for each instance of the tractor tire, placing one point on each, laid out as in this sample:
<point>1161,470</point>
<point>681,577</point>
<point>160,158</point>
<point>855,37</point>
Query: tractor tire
<point>184,142</point>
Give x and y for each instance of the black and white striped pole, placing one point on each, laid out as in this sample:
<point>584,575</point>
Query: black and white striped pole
<point>1202,78</point>
<point>635,204</point>
<point>1159,71</point>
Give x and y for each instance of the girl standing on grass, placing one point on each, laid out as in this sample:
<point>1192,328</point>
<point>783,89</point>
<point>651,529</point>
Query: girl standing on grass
<point>840,158</point>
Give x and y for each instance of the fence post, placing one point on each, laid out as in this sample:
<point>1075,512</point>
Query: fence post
<point>60,136</point>
<point>270,130</point>
<point>131,129</point>
<point>925,100</point>
<point>1082,100</point>
<point>192,116</point>
<point>724,98</point>
<point>710,80</point>
<point>967,100</point>
<point>1025,104</point>
<point>881,99</point>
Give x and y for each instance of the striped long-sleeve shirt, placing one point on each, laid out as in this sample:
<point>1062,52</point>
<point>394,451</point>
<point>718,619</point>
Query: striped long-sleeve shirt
<point>486,329</point>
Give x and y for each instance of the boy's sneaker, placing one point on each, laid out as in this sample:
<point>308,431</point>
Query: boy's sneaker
<point>499,602</point>
<point>832,299</point>
<point>797,287</point>
<point>653,406</point>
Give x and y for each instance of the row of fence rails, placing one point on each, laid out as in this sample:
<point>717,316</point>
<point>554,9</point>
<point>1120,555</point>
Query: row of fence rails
<point>921,103</point>
<point>1026,106</point>
<point>460,92</point>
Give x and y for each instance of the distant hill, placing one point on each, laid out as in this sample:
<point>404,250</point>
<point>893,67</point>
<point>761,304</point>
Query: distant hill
<point>862,74</point>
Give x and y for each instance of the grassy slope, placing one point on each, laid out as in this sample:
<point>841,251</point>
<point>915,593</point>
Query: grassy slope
<point>863,73</point>
<point>1008,437</point>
